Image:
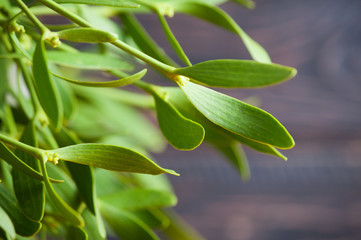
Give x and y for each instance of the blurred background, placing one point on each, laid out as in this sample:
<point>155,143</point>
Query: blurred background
<point>316,194</point>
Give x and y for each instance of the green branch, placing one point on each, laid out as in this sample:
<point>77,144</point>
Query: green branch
<point>36,152</point>
<point>118,43</point>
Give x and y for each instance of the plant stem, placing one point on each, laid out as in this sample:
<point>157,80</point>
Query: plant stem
<point>172,40</point>
<point>32,17</point>
<point>118,43</point>
<point>36,152</point>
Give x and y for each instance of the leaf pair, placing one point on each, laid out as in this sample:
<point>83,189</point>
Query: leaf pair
<point>237,117</point>
<point>208,11</point>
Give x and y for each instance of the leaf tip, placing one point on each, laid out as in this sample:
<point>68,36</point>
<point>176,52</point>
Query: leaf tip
<point>172,172</point>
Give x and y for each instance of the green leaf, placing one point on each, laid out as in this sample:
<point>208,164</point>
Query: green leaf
<point>125,225</point>
<point>82,175</point>
<point>68,98</point>
<point>236,157</point>
<point>92,225</point>
<point>29,192</point>
<point>110,157</point>
<point>4,79</point>
<point>136,199</point>
<point>214,133</point>
<point>76,233</point>
<point>115,83</point>
<point>237,73</point>
<point>182,133</point>
<point>67,190</point>
<point>237,116</point>
<point>45,87</point>
<point>18,45</point>
<point>153,217</point>
<point>87,35</point>
<point>179,229</point>
<point>143,40</point>
<point>67,212</point>
<point>6,225</point>
<point>110,3</point>
<point>246,3</point>
<point>173,40</point>
<point>23,225</point>
<point>17,163</point>
<point>91,61</point>
<point>218,17</point>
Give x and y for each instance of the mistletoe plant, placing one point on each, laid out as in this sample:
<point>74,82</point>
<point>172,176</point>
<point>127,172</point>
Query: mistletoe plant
<point>59,103</point>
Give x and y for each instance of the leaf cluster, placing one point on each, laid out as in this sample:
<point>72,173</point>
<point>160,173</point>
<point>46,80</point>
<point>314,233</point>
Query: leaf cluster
<point>75,149</point>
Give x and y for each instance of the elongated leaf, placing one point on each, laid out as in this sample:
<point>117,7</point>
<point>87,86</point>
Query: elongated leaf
<point>218,17</point>
<point>181,133</point>
<point>90,61</point>
<point>153,217</point>
<point>246,3</point>
<point>237,116</point>
<point>17,163</point>
<point>69,101</point>
<point>110,3</point>
<point>76,233</point>
<point>92,225</point>
<point>110,157</point>
<point>23,225</point>
<point>29,192</point>
<point>237,73</point>
<point>173,40</point>
<point>126,225</point>
<point>115,83</point>
<point>87,35</point>
<point>45,87</point>
<point>67,212</point>
<point>136,199</point>
<point>82,175</point>
<point>143,39</point>
<point>6,225</point>
<point>179,229</point>
<point>3,79</point>
<point>236,157</point>
<point>18,45</point>
<point>214,134</point>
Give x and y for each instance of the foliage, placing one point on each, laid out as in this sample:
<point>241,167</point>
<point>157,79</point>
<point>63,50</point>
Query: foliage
<point>58,105</point>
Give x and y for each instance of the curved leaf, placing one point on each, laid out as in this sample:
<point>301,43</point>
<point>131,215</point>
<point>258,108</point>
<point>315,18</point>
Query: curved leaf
<point>110,3</point>
<point>143,39</point>
<point>67,96</point>
<point>237,73</point>
<point>76,233</point>
<point>136,199</point>
<point>90,61</point>
<point>6,225</point>
<point>237,116</point>
<point>87,35</point>
<point>214,133</point>
<point>92,225</point>
<point>29,192</point>
<point>236,157</point>
<point>110,157</point>
<point>67,212</point>
<point>82,175</point>
<point>17,163</point>
<point>218,17</point>
<point>182,133</point>
<point>114,83</point>
<point>45,87</point>
<point>23,225</point>
<point>125,225</point>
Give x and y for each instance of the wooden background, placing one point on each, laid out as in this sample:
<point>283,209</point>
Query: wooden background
<point>316,194</point>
